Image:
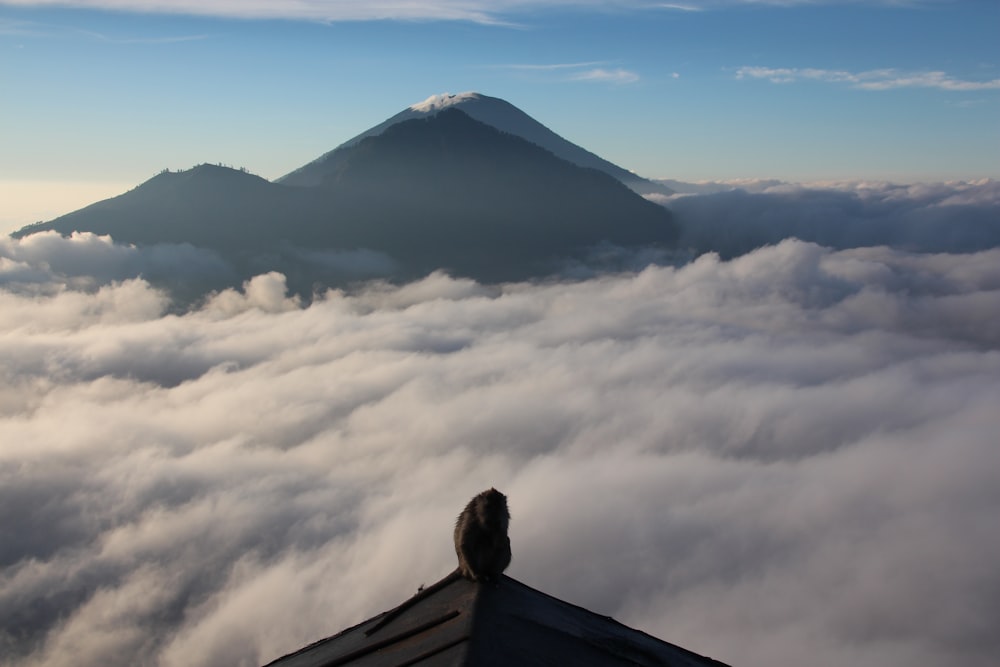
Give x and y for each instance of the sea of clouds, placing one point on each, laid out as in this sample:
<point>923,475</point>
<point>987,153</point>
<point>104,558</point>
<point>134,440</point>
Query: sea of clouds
<point>790,457</point>
<point>735,217</point>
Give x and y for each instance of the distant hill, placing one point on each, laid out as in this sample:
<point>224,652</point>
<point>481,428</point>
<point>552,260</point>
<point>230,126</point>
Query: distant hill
<point>209,205</point>
<point>441,191</point>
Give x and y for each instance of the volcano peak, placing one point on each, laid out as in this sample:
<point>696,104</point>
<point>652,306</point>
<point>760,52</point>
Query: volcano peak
<point>437,102</point>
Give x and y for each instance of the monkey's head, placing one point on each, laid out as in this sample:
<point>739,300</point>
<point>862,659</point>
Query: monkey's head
<point>492,510</point>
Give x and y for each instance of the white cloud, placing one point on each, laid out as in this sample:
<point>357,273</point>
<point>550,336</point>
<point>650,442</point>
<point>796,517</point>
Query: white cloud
<point>736,217</point>
<point>601,74</point>
<point>680,7</point>
<point>581,71</point>
<point>545,67</point>
<point>309,10</point>
<point>479,11</point>
<point>46,262</point>
<point>702,451</point>
<point>878,79</point>
<point>266,292</point>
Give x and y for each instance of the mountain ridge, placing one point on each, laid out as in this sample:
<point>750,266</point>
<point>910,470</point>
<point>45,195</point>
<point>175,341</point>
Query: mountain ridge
<point>441,191</point>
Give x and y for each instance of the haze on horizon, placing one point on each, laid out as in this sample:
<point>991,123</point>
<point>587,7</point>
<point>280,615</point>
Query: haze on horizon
<point>104,95</point>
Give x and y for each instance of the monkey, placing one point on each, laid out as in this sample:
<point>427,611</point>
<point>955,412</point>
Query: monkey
<point>481,540</point>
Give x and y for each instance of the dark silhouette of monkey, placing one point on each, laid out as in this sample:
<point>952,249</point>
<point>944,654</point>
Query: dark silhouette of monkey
<point>481,540</point>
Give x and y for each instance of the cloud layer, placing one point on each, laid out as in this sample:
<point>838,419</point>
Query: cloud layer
<point>789,458</point>
<point>936,217</point>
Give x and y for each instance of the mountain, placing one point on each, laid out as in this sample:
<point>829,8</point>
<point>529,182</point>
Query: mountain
<point>209,206</point>
<point>439,191</point>
<point>494,112</point>
<point>455,192</point>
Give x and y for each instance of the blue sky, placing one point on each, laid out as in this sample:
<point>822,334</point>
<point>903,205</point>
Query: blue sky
<point>99,95</point>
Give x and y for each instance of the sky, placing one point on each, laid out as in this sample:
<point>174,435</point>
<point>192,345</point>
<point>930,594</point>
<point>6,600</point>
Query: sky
<point>100,95</point>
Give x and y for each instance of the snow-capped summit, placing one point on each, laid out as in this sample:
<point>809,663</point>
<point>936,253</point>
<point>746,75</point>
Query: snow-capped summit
<point>492,111</point>
<point>437,102</point>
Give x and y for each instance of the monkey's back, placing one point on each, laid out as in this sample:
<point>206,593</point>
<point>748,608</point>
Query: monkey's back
<point>481,540</point>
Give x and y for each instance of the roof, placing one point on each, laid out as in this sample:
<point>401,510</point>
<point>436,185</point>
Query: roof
<point>456,622</point>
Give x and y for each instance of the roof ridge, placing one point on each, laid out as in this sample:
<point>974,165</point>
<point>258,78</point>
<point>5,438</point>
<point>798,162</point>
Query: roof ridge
<point>455,621</point>
<point>422,592</point>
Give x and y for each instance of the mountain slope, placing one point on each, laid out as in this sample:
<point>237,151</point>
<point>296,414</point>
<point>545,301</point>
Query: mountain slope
<point>494,112</point>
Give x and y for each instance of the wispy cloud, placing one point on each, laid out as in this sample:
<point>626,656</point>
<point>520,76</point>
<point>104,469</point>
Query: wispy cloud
<point>596,71</point>
<point>876,79</point>
<point>680,7</point>
<point>551,66</point>
<point>618,75</point>
<point>38,29</point>
<point>478,11</point>
<point>308,10</point>
<point>167,39</point>
<point>18,28</point>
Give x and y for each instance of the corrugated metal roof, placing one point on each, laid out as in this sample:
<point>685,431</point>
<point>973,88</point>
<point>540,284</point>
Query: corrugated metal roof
<point>456,622</point>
